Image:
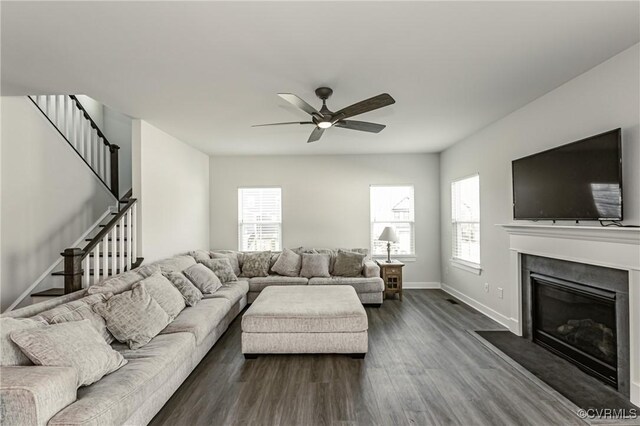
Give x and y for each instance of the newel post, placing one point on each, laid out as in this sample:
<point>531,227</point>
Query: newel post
<point>72,269</point>
<point>115,182</point>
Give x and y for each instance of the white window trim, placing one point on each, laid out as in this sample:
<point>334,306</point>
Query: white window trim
<point>465,265</point>
<point>474,268</point>
<point>240,223</point>
<point>411,257</point>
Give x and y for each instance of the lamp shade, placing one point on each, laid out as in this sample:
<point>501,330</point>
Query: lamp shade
<point>388,234</point>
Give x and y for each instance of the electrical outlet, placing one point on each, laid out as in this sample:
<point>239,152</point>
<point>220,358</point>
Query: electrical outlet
<point>486,287</point>
<point>500,293</point>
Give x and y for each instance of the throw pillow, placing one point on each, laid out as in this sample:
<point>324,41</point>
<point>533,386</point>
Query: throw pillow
<point>79,310</point>
<point>133,317</point>
<point>200,255</point>
<point>72,344</point>
<point>147,270</point>
<point>222,268</point>
<point>233,258</point>
<point>189,292</point>
<point>10,353</point>
<point>256,264</point>
<point>163,292</point>
<point>315,265</point>
<point>348,264</point>
<point>117,284</point>
<point>203,278</point>
<point>288,264</point>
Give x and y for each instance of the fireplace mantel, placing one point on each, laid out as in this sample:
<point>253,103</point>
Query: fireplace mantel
<point>613,247</point>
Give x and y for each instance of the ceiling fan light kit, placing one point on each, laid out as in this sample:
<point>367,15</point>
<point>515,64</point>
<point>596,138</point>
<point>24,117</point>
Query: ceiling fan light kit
<point>325,118</point>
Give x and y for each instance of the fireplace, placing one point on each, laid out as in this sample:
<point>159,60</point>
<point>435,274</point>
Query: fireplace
<point>577,322</point>
<point>580,312</point>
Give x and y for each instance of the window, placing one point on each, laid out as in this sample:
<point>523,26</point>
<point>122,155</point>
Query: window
<point>259,219</point>
<point>392,206</point>
<point>465,222</point>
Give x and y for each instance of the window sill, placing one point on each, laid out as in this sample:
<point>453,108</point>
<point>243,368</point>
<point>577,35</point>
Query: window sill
<point>407,258</point>
<point>474,268</point>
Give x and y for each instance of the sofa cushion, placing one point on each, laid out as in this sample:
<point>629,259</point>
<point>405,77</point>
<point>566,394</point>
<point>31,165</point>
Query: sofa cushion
<point>222,268</point>
<point>175,263</point>
<point>78,310</point>
<point>189,292</point>
<point>256,264</point>
<point>200,319</point>
<point>203,278</point>
<point>116,284</point>
<point>288,264</point>
<point>260,283</point>
<point>360,284</point>
<point>112,400</point>
<point>232,291</point>
<point>315,265</point>
<point>74,344</point>
<point>164,293</point>
<point>10,353</point>
<point>234,258</point>
<point>133,317</point>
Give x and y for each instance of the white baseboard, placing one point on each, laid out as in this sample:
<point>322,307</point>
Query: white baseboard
<point>420,285</point>
<point>491,313</point>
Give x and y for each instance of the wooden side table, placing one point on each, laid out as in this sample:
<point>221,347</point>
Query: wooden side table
<point>391,274</point>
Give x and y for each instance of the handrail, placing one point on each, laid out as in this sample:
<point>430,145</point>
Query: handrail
<point>112,223</point>
<point>93,123</point>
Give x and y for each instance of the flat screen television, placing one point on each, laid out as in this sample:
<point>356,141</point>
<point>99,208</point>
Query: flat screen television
<point>578,181</point>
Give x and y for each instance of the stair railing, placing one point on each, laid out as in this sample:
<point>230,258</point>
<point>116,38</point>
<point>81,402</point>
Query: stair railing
<point>76,126</point>
<point>112,251</point>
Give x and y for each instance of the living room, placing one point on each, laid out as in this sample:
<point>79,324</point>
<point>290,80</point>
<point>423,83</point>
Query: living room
<point>314,213</point>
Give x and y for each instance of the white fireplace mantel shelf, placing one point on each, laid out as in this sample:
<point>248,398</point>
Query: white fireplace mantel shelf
<point>614,234</point>
<point>610,246</point>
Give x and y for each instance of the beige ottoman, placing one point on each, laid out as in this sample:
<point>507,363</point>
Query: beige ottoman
<point>305,319</point>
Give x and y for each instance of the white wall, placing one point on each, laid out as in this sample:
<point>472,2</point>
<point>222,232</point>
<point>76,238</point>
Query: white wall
<point>604,98</point>
<point>325,200</point>
<point>94,108</point>
<point>171,182</point>
<point>49,197</point>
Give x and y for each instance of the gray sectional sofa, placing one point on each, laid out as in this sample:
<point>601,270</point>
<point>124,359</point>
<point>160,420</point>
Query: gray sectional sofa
<point>132,395</point>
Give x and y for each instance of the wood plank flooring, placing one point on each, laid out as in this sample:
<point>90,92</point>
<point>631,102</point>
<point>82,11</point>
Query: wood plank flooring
<point>423,368</point>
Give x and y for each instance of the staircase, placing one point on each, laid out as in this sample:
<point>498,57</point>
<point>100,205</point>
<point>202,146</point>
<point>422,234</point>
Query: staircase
<point>111,247</point>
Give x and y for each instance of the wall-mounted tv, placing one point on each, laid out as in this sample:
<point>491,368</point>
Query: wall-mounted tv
<point>578,181</point>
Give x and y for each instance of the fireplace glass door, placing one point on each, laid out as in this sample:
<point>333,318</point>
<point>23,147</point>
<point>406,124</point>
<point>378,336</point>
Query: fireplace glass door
<point>577,322</point>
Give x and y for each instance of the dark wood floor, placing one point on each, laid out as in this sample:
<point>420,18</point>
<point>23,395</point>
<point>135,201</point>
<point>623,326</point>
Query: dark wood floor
<point>423,368</point>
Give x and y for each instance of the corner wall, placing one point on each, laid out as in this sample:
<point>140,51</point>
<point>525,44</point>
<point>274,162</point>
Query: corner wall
<point>325,200</point>
<point>604,98</point>
<point>171,182</point>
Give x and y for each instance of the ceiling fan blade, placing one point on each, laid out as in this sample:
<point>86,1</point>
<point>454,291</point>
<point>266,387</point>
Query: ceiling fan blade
<point>363,126</point>
<point>315,135</point>
<point>296,101</point>
<point>367,105</point>
<point>281,124</point>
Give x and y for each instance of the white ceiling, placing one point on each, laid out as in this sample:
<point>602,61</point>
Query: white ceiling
<point>204,72</point>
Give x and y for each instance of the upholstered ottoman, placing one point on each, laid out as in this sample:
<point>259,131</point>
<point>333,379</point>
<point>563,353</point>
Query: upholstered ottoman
<point>305,319</point>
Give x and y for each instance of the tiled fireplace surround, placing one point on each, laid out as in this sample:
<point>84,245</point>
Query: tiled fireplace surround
<point>609,247</point>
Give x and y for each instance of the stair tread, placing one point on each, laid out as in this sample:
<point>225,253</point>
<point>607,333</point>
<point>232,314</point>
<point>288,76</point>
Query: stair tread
<point>109,254</point>
<point>50,292</point>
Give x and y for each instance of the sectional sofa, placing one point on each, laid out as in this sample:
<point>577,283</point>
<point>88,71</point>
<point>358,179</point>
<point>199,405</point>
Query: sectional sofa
<point>133,394</point>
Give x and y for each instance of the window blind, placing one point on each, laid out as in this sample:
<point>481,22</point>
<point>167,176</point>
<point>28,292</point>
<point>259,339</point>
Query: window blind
<point>259,219</point>
<point>465,219</point>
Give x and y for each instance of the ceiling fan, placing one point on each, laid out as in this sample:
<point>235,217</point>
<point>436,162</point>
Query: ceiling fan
<point>326,118</point>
